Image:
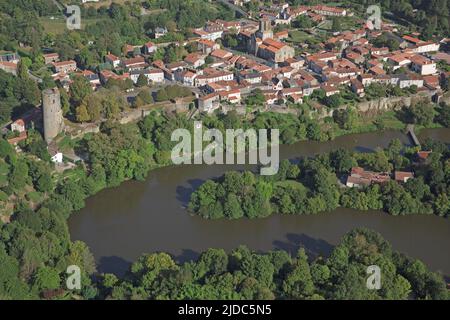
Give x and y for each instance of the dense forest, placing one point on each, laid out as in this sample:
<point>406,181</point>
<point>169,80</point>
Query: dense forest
<point>315,185</point>
<point>278,274</point>
<point>17,94</point>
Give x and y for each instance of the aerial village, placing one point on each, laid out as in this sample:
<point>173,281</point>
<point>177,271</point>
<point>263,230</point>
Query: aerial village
<point>264,60</point>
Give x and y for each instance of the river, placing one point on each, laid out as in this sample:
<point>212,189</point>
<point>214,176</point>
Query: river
<point>120,224</point>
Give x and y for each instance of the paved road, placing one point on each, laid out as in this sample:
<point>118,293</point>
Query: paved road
<point>59,5</point>
<point>34,78</point>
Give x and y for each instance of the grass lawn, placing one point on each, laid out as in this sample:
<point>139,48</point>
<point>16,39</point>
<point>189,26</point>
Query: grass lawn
<point>298,36</point>
<point>66,143</point>
<point>103,3</point>
<point>34,196</point>
<point>75,174</point>
<point>390,120</point>
<point>290,183</point>
<point>367,124</point>
<point>58,25</point>
<point>350,23</point>
<point>325,25</point>
<point>3,196</point>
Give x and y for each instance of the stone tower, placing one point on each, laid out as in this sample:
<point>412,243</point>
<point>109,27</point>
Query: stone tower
<point>265,29</point>
<point>52,114</point>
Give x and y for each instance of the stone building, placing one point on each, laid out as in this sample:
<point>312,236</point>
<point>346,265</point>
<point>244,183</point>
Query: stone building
<point>263,45</point>
<point>52,114</point>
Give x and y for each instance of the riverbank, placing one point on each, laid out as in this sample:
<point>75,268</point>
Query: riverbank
<point>315,185</point>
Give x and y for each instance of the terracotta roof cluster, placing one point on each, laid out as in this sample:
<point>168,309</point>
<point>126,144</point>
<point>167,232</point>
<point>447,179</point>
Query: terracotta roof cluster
<point>360,176</point>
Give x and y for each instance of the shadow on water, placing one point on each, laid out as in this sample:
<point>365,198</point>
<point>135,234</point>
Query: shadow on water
<point>119,266</point>
<point>363,149</point>
<point>184,193</point>
<point>296,160</point>
<point>313,247</point>
<point>186,256</point>
<point>113,264</point>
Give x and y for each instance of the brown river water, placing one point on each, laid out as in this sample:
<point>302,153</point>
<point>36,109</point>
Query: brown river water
<point>120,224</point>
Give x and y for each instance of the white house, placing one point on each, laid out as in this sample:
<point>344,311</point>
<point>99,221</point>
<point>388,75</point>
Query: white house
<point>113,60</point>
<point>186,77</point>
<point>150,47</point>
<point>160,32</point>
<point>213,35</point>
<point>407,80</point>
<point>422,65</point>
<point>153,75</point>
<point>426,47</point>
<point>215,76</point>
<point>209,102</point>
<point>195,60</point>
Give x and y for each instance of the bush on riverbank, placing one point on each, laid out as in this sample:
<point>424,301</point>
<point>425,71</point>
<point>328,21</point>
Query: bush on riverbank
<point>278,274</point>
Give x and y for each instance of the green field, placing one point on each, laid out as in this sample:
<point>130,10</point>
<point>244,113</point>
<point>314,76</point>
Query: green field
<point>298,36</point>
<point>58,24</point>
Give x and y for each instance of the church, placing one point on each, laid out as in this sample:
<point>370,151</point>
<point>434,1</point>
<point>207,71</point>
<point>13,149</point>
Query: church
<point>263,45</point>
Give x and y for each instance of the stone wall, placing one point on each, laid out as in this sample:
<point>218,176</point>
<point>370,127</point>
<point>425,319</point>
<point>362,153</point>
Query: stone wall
<point>393,103</point>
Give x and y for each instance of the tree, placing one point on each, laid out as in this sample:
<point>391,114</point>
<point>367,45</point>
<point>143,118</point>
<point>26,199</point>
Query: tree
<point>442,205</point>
<point>19,175</point>
<point>212,262</point>
<point>93,105</point>
<point>209,60</point>
<point>333,101</point>
<point>144,97</point>
<point>298,283</point>
<point>232,207</point>
<point>344,118</point>
<point>422,113</point>
<point>45,183</point>
<point>444,114</point>
<point>293,172</point>
<point>82,114</point>
<point>46,279</point>
<point>336,24</point>
<point>80,255</point>
<point>258,267</point>
<point>230,40</point>
<point>303,22</point>
<point>65,102</point>
<point>5,149</point>
<point>112,104</point>
<point>418,188</point>
<point>313,131</point>
<point>256,98</point>
<point>72,192</point>
<point>320,274</point>
<point>148,266</point>
<point>142,80</point>
<point>342,160</point>
<point>385,41</point>
<point>161,95</point>
<point>79,89</point>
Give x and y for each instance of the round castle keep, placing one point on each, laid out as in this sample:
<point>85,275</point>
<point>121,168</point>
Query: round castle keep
<point>52,114</point>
